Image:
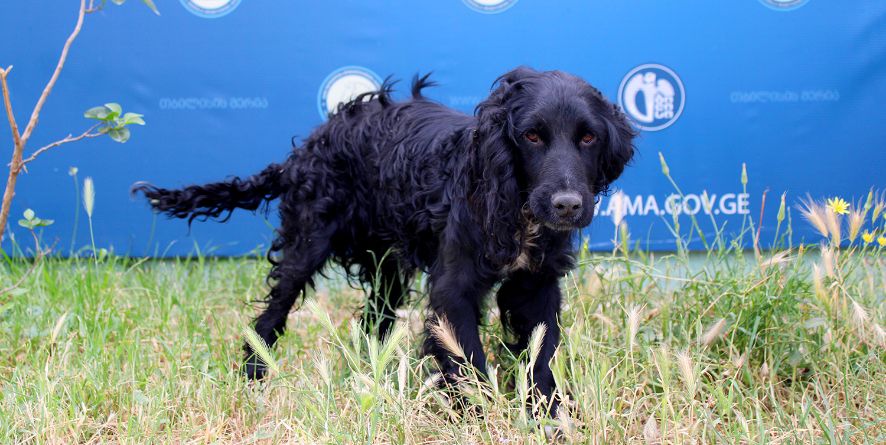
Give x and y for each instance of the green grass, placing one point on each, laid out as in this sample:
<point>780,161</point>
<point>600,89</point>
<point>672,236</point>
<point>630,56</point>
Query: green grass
<point>722,348</point>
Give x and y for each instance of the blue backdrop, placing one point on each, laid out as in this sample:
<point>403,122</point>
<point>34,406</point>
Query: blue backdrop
<point>793,88</point>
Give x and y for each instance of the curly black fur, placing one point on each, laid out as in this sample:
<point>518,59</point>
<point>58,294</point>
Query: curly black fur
<point>214,200</point>
<point>386,188</point>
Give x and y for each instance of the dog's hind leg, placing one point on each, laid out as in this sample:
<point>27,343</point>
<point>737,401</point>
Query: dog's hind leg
<point>304,254</point>
<point>389,288</point>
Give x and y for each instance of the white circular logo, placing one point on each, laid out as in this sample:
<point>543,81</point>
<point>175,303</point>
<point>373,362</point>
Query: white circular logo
<point>210,9</point>
<point>343,85</point>
<point>652,96</point>
<point>489,6</point>
<point>784,5</point>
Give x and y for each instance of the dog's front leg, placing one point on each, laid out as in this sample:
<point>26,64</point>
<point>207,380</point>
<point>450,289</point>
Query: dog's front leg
<point>527,300</point>
<point>456,291</point>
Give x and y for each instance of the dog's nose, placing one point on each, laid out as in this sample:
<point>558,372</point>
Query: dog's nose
<point>566,204</point>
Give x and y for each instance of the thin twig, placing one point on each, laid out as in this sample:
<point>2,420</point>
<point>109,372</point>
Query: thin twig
<point>7,103</point>
<point>58,70</point>
<point>20,140</point>
<point>69,138</point>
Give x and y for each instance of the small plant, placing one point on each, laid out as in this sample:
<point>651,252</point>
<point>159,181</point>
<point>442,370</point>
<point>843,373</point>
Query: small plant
<point>828,217</point>
<point>111,119</point>
<point>72,172</point>
<point>113,122</point>
<point>32,222</point>
<point>89,204</point>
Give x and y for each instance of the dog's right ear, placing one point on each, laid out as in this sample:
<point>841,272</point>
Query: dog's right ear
<point>495,194</point>
<point>503,88</point>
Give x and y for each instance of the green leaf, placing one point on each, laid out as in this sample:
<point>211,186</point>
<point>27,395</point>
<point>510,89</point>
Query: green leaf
<point>29,214</point>
<point>118,2</point>
<point>44,222</point>
<point>133,118</point>
<point>100,113</point>
<point>120,135</point>
<point>25,223</point>
<point>115,109</point>
<point>150,4</point>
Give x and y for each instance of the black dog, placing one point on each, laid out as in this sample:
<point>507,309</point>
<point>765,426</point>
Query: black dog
<point>473,200</point>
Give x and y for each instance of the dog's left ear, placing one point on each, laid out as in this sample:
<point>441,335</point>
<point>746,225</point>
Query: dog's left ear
<point>619,148</point>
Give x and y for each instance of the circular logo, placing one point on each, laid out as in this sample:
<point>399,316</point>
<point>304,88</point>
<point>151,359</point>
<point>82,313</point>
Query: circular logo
<point>489,6</point>
<point>652,96</point>
<point>784,5</point>
<point>344,84</point>
<point>210,9</point>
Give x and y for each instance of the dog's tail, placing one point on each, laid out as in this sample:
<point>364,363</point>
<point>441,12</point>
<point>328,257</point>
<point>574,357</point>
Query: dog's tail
<point>218,199</point>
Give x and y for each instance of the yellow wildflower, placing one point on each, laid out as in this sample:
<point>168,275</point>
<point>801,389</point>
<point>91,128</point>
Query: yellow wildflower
<point>868,237</point>
<point>881,240</point>
<point>838,206</point>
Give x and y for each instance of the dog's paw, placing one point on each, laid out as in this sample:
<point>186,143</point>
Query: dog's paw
<point>254,369</point>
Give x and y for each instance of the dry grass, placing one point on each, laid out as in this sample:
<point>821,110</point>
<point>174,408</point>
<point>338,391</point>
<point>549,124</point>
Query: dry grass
<point>149,352</point>
<point>723,346</point>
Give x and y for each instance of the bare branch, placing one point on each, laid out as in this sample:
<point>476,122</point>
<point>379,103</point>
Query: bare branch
<point>21,140</point>
<point>16,136</point>
<point>32,122</point>
<point>69,138</point>
<point>14,166</point>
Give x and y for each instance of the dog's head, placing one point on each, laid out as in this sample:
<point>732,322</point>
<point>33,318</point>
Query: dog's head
<point>550,142</point>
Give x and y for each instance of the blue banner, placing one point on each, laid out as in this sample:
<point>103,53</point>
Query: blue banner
<point>790,88</point>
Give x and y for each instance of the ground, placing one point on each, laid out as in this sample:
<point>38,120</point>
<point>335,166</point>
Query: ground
<point>719,347</point>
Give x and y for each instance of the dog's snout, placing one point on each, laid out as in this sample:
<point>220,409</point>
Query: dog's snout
<point>566,204</point>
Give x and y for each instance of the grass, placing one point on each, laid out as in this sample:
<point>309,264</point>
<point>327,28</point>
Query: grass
<point>785,345</point>
<point>674,349</point>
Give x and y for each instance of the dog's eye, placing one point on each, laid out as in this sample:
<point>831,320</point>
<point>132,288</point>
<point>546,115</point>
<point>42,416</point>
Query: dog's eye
<point>532,136</point>
<point>588,138</point>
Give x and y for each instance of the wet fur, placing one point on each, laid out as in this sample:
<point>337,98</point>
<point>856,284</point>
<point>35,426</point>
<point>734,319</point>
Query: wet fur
<point>386,188</point>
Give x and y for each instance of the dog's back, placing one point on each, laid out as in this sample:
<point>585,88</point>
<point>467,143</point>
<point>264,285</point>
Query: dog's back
<point>392,166</point>
<point>384,168</point>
